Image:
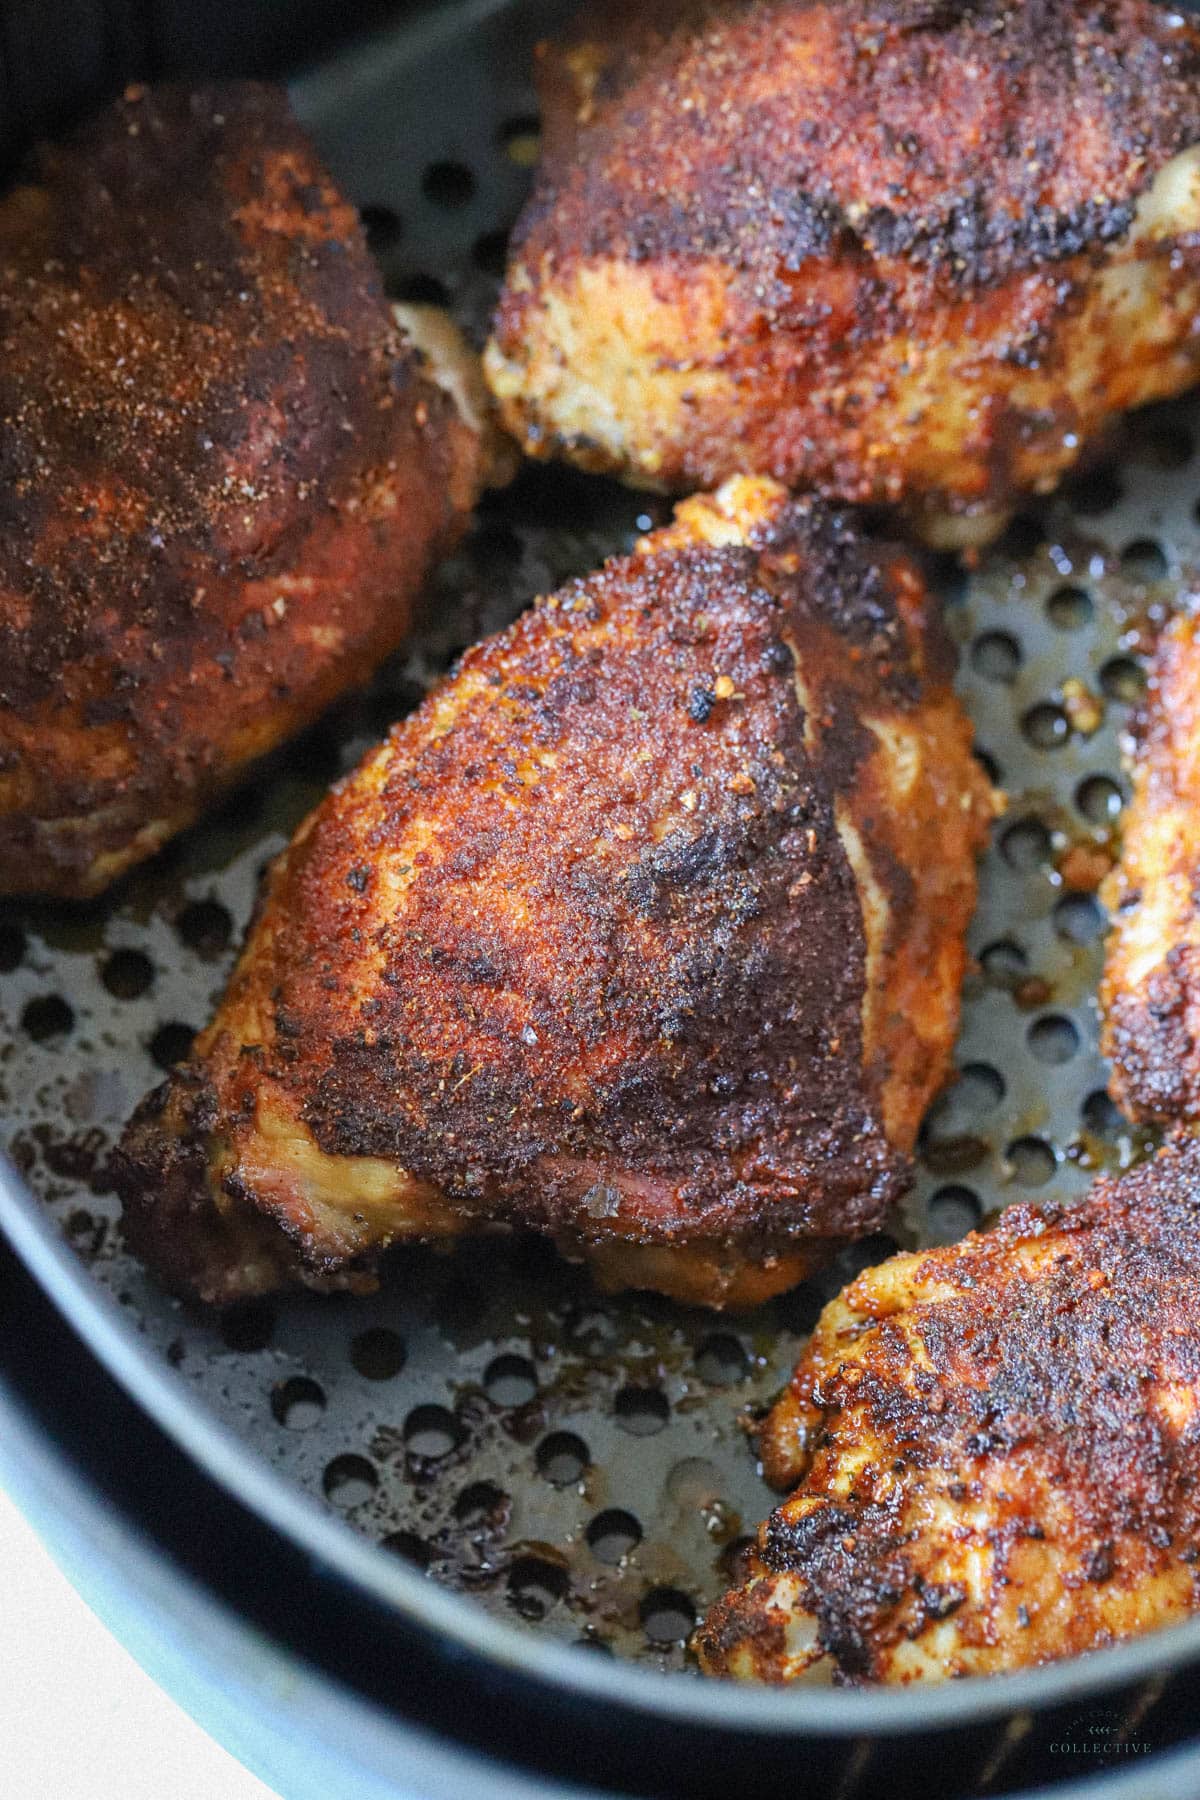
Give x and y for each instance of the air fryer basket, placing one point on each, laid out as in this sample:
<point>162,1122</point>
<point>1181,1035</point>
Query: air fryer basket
<point>579,1465</point>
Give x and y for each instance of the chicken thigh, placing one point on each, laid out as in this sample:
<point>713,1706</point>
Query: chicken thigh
<point>646,930</point>
<point>995,1451</point>
<point>1150,994</point>
<point>223,471</point>
<point>889,250</point>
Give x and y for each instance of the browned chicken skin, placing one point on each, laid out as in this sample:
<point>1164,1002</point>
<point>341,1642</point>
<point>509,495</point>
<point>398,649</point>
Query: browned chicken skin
<point>645,930</point>
<point>889,250</point>
<point>1150,994</point>
<point>997,1447</point>
<point>223,472</point>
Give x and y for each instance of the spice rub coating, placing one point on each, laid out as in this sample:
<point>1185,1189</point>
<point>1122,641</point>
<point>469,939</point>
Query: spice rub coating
<point>994,1450</point>
<point>223,471</point>
<point>890,250</point>
<point>645,930</point>
<point>1150,993</point>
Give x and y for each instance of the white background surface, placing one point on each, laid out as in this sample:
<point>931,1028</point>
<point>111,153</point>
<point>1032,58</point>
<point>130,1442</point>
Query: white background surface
<point>78,1718</point>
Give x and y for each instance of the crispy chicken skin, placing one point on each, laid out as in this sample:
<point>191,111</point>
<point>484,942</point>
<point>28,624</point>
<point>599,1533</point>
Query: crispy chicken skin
<point>645,930</point>
<point>1150,994</point>
<point>995,1451</point>
<point>889,250</point>
<point>223,472</point>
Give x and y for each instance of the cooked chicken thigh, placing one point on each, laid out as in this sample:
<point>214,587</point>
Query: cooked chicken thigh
<point>645,930</point>
<point>223,472</point>
<point>997,1451</point>
<point>1150,995</point>
<point>888,250</point>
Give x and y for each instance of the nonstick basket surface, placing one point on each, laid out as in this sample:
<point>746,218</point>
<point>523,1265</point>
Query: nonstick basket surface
<point>575,1462</point>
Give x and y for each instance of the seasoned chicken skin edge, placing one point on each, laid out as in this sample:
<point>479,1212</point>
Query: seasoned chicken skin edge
<point>681,923</point>
<point>894,253</point>
<point>227,472</point>
<point>993,1449</point>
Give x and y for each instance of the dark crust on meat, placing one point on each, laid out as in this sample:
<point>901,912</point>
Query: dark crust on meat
<point>686,952</point>
<point>1152,1026</point>
<point>631,958</point>
<point>218,1254</point>
<point>865,248</point>
<point>1052,1372</point>
<point>223,473</point>
<point>183,1236</point>
<point>976,138</point>
<point>1149,1038</point>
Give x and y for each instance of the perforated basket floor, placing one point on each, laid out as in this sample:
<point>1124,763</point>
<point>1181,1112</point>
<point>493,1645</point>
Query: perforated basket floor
<point>576,1462</point>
